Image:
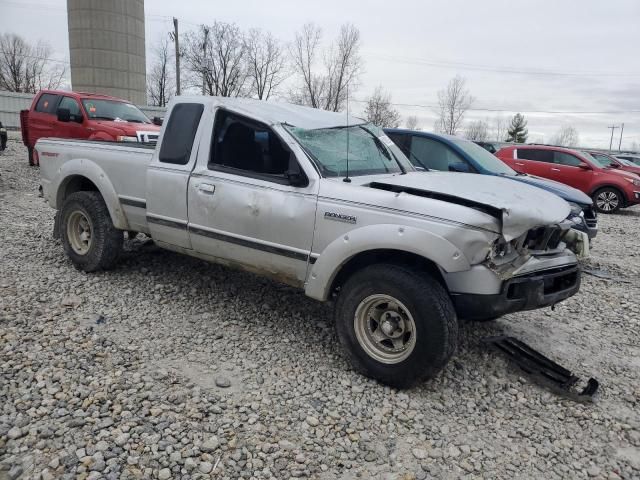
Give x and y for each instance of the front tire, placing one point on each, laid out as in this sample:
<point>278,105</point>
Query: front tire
<point>397,325</point>
<point>608,200</point>
<point>88,236</point>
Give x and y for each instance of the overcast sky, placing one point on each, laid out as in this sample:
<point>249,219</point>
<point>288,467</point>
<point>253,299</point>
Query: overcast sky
<point>546,55</point>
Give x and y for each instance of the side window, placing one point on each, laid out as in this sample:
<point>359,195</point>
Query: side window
<point>244,147</point>
<point>401,140</point>
<point>536,155</point>
<point>432,154</point>
<point>72,105</point>
<point>47,103</point>
<point>566,159</point>
<point>180,132</point>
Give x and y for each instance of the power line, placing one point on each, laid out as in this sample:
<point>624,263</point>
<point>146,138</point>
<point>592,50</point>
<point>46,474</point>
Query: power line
<point>496,69</point>
<point>24,55</point>
<point>480,109</point>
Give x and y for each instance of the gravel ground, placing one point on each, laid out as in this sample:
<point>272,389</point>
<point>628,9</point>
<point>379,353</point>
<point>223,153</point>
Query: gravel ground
<point>169,367</point>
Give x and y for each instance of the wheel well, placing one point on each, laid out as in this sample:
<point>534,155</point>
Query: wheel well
<point>396,257</point>
<point>75,183</point>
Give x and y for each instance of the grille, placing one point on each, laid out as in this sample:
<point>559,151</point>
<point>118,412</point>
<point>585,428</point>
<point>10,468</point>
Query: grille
<point>543,238</point>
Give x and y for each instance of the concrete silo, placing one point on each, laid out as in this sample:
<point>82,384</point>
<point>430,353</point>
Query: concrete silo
<point>107,48</point>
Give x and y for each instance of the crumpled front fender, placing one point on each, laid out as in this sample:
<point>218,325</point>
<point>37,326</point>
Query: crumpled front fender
<point>375,237</point>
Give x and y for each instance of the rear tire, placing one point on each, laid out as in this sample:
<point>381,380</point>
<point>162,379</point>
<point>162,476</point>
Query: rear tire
<point>88,236</point>
<point>397,325</point>
<point>608,200</point>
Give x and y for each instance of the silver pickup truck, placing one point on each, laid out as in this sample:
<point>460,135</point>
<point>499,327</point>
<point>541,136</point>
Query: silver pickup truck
<point>326,203</point>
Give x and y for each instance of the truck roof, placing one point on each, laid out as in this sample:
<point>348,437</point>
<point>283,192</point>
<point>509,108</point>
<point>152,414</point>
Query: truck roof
<point>273,113</point>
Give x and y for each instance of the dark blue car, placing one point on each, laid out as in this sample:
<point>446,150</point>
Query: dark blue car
<point>432,151</point>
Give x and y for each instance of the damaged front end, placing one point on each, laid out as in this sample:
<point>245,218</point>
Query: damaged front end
<point>534,270</point>
<point>535,247</point>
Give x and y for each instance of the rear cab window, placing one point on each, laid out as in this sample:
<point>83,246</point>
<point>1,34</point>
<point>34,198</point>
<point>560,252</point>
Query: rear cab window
<point>47,103</point>
<point>179,133</point>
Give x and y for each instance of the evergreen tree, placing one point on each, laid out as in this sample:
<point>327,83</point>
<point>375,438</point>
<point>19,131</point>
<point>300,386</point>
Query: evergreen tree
<point>517,131</point>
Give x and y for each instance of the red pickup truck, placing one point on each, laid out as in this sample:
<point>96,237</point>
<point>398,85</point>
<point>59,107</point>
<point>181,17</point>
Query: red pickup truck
<point>610,189</point>
<point>85,116</point>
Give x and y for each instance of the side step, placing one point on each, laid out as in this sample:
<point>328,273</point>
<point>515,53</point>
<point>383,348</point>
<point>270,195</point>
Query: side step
<point>542,369</point>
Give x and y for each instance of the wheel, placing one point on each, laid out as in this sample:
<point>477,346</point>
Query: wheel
<point>89,238</point>
<point>396,325</point>
<point>608,200</point>
<point>31,158</point>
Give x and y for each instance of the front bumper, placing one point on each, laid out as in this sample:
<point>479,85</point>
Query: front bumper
<point>526,292</point>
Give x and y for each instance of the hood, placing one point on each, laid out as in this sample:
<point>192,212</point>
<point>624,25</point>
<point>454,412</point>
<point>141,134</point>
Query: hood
<point>565,192</point>
<point>128,128</point>
<point>622,173</point>
<point>520,207</point>
<point>627,168</point>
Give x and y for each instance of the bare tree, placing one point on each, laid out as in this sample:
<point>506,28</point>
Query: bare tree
<point>379,110</point>
<point>160,81</point>
<point>567,136</point>
<point>477,131</point>
<point>28,68</point>
<point>217,56</point>
<point>453,103</point>
<point>412,123</point>
<point>325,85</point>
<point>266,63</point>
<point>499,131</point>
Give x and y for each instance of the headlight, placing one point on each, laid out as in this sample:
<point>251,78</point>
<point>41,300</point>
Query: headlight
<point>575,209</point>
<point>124,138</point>
<point>633,181</point>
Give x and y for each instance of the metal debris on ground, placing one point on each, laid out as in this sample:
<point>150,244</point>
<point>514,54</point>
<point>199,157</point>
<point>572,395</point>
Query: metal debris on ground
<point>543,370</point>
<point>599,273</point>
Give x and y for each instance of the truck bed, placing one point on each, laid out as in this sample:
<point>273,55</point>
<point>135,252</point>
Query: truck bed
<point>119,166</point>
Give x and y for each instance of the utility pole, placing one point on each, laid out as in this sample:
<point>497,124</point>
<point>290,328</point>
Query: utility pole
<point>612,127</point>
<point>621,132</point>
<point>176,40</point>
<point>205,30</point>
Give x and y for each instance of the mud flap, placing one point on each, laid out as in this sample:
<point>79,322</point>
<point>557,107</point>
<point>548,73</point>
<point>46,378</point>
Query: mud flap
<point>56,225</point>
<point>543,370</point>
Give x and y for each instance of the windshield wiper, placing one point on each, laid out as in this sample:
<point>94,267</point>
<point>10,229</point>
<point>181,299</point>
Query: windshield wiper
<point>101,117</point>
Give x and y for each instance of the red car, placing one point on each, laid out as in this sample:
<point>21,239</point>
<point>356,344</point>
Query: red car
<point>609,188</point>
<point>610,161</point>
<point>85,116</point>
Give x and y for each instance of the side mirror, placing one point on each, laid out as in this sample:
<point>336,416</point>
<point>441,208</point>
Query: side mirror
<point>157,121</point>
<point>459,167</point>
<point>614,165</point>
<point>584,166</point>
<point>296,178</point>
<point>64,115</point>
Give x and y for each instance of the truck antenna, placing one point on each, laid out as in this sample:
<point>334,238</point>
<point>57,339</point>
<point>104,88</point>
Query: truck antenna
<point>347,179</point>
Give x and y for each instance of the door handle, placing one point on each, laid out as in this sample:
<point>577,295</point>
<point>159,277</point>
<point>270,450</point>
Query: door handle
<point>521,164</point>
<point>206,188</point>
<point>555,169</point>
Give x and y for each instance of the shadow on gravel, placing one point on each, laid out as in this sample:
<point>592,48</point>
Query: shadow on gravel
<point>286,307</point>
